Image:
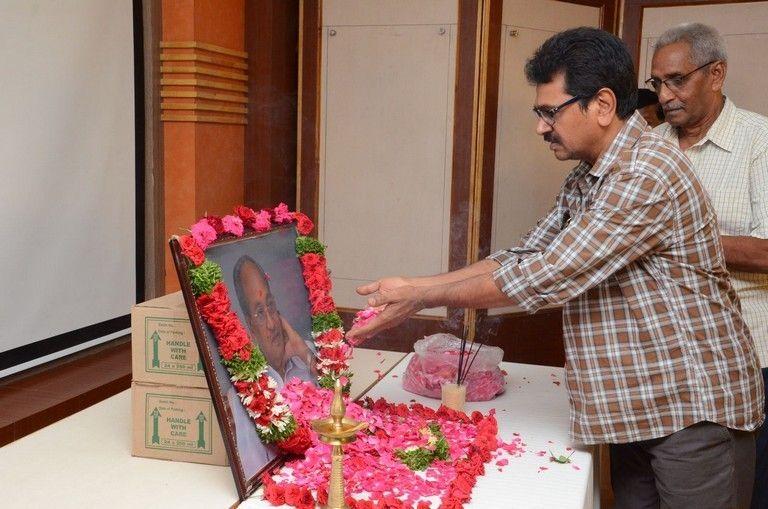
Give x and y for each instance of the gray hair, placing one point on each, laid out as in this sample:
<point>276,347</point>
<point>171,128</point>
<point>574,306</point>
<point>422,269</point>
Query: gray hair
<point>705,42</point>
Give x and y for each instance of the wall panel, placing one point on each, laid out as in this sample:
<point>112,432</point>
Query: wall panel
<point>385,168</point>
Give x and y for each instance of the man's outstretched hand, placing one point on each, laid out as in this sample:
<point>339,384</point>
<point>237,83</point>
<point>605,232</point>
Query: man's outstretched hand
<point>398,299</point>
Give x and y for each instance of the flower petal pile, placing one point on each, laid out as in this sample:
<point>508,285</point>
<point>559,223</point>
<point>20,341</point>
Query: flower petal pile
<point>245,363</point>
<point>374,475</point>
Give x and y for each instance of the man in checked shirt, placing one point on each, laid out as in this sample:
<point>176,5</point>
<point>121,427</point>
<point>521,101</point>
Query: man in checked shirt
<point>728,148</point>
<point>659,362</point>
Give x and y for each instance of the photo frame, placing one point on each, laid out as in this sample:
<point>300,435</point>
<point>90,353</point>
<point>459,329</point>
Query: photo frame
<point>267,288</point>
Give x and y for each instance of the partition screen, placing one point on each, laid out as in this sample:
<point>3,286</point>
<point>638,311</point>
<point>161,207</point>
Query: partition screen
<point>70,173</point>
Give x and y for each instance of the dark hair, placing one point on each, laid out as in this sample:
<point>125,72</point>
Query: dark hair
<point>590,59</point>
<point>645,98</point>
<point>245,259</point>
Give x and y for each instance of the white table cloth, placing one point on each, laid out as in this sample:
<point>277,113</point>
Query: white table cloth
<point>84,461</point>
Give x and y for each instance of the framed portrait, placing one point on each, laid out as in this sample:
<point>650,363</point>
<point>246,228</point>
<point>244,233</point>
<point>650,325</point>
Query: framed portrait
<point>263,277</point>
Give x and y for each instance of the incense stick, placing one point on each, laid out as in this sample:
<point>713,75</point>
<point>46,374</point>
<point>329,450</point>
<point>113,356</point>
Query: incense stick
<point>469,367</point>
<point>461,353</point>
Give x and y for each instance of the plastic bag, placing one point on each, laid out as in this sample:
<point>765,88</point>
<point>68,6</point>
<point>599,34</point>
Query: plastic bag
<point>436,361</point>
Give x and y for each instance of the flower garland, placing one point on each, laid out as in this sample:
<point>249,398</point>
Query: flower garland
<point>375,476</point>
<point>244,361</point>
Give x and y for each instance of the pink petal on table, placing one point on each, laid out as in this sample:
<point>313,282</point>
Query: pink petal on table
<point>575,467</point>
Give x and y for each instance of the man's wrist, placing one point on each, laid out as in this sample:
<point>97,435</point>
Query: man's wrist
<point>423,298</point>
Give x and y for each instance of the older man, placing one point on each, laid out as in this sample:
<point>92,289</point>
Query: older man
<point>729,150</point>
<point>659,362</point>
<point>288,355</point>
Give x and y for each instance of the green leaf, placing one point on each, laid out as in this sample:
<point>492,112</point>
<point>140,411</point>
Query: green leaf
<point>418,459</point>
<point>421,458</point>
<point>246,370</point>
<point>306,245</point>
<point>203,278</point>
<point>325,321</point>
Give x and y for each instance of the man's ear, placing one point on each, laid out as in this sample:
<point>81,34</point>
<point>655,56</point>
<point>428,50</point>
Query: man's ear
<point>718,70</point>
<point>605,104</point>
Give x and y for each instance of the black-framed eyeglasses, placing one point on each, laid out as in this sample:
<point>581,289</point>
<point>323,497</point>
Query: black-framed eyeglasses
<point>548,114</point>
<point>675,83</point>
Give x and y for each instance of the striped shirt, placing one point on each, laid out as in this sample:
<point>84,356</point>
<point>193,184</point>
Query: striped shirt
<point>731,162</point>
<point>654,339</point>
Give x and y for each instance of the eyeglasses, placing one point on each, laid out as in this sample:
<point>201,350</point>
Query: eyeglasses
<point>548,114</point>
<point>674,84</point>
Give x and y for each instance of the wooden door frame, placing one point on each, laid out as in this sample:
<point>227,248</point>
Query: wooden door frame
<point>632,25</point>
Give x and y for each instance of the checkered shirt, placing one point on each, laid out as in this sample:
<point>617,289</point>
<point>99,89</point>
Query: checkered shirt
<point>654,339</point>
<point>731,162</point>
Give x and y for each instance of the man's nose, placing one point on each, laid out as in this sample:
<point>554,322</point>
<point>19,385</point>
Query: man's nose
<point>665,94</point>
<point>542,127</point>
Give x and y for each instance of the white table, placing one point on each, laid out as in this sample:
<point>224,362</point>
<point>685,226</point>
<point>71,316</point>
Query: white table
<point>84,461</point>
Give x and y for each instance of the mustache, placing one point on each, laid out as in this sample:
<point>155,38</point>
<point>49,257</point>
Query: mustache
<point>672,106</point>
<point>551,138</point>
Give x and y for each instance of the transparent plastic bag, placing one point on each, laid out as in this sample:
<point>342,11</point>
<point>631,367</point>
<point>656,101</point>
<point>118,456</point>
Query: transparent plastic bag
<point>436,361</point>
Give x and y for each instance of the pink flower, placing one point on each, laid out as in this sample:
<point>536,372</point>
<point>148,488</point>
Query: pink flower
<point>375,477</point>
<point>203,233</point>
<point>364,316</point>
<point>282,214</point>
<point>233,225</point>
<point>263,221</point>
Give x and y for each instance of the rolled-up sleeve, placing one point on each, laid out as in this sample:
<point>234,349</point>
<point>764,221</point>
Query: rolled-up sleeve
<point>630,217</point>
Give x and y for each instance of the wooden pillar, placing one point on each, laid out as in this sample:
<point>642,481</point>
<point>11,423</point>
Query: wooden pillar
<point>204,89</point>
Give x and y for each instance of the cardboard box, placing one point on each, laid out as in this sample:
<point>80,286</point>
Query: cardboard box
<point>163,345</point>
<point>177,424</point>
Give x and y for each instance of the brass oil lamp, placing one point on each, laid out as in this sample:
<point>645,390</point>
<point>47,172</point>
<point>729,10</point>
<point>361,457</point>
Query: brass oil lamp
<point>337,430</point>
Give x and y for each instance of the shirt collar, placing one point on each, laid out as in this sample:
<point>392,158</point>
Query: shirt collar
<point>721,133</point>
<point>626,139</point>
